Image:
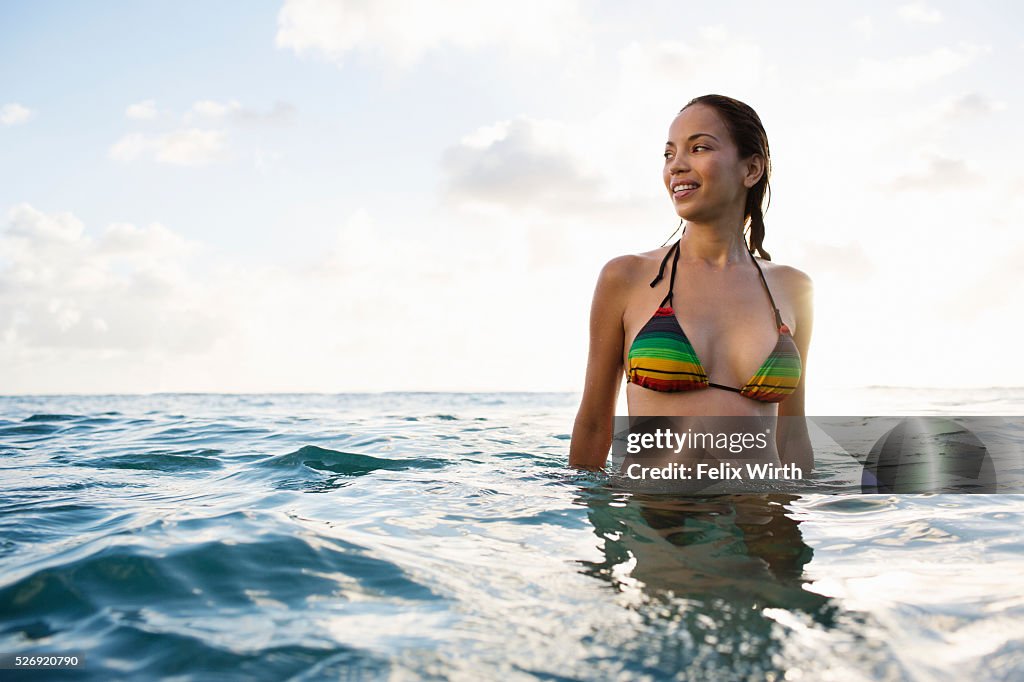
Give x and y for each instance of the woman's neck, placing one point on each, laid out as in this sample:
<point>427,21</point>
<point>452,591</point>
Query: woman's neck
<point>717,245</point>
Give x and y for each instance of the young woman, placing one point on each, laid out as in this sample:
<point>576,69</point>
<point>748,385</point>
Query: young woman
<point>702,327</point>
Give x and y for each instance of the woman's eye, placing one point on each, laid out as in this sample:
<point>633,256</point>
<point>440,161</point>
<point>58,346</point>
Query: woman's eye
<point>700,146</point>
<point>667,154</point>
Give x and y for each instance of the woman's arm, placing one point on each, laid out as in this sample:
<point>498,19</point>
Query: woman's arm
<point>791,436</point>
<point>592,430</point>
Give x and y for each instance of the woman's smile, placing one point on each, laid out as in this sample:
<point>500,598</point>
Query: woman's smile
<point>683,193</point>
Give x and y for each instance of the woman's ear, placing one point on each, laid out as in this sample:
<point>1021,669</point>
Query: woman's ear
<point>755,169</point>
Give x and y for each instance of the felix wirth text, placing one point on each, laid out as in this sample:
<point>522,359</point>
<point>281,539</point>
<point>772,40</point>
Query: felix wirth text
<point>719,471</point>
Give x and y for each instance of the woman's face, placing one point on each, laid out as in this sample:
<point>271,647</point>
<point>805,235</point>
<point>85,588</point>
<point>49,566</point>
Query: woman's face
<point>701,152</point>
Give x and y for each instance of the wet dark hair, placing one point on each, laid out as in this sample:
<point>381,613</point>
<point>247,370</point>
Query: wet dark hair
<point>749,137</point>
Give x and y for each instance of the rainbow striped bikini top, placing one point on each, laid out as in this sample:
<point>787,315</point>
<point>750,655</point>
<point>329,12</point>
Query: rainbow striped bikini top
<point>662,358</point>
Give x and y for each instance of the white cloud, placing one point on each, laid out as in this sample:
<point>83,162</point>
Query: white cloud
<point>941,174</point>
<point>131,309</point>
<point>14,113</point>
<point>129,290</point>
<point>212,109</point>
<point>533,178</point>
<point>587,175</point>
<point>232,111</point>
<point>911,71</point>
<point>402,32</point>
<point>715,60</point>
<point>194,146</point>
<point>265,161</point>
<point>24,222</point>
<point>524,162</point>
<point>973,104</point>
<point>126,238</point>
<point>846,262</point>
<point>920,12</point>
<point>130,147</point>
<point>565,192</point>
<point>865,26</point>
<point>281,112</point>
<point>191,147</point>
<point>911,146</point>
<point>602,162</point>
<point>141,111</point>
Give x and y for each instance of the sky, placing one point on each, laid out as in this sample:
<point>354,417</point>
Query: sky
<point>316,195</point>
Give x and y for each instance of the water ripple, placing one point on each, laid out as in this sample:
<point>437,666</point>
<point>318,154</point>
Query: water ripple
<point>440,536</point>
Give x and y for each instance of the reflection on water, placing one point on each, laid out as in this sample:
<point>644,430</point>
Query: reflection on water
<point>735,547</point>
<point>706,575</point>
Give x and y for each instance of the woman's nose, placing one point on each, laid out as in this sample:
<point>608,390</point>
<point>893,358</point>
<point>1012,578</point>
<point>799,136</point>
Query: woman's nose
<point>678,165</point>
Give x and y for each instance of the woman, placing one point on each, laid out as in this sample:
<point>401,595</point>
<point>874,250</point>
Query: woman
<point>747,323</point>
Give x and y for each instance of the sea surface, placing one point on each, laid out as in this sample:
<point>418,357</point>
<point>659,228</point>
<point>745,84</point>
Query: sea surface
<point>441,536</point>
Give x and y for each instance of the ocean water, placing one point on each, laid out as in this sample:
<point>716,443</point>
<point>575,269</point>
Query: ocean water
<point>442,537</point>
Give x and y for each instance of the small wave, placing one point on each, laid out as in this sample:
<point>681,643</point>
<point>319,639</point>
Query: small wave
<point>187,460</point>
<point>349,463</point>
<point>219,574</point>
<point>855,505</point>
<point>33,429</point>
<point>51,417</point>
<point>134,648</point>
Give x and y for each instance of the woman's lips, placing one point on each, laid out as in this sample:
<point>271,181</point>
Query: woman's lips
<point>684,193</point>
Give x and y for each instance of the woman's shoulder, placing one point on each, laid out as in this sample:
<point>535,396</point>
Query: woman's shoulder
<point>621,276</point>
<point>792,285</point>
<point>788,276</point>
<point>627,268</point>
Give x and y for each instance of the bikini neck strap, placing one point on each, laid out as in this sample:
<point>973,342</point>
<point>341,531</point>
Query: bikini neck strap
<point>675,249</point>
<point>778,315</point>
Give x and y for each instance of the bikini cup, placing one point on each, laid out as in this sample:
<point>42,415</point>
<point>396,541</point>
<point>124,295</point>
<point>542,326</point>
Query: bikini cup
<point>662,358</point>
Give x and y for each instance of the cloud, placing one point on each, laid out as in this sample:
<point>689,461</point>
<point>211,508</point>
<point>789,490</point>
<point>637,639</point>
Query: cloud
<point>607,152</point>
<point>925,126</point>
<point>911,71</point>
<point>191,147</point>
<point>973,104</point>
<point>919,12</point>
<point>133,308</point>
<point>595,175</point>
<point>232,111</point>
<point>14,113</point>
<point>865,26</point>
<point>213,109</point>
<point>141,111</point>
<point>281,112</point>
<point>129,290</point>
<point>194,145</point>
<point>264,161</point>
<point>941,174</point>
<point>524,176</point>
<point>998,284</point>
<point>24,222</point>
<point>125,238</point>
<point>843,262</point>
<point>515,164</point>
<point>601,164</point>
<point>715,59</point>
<point>402,32</point>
